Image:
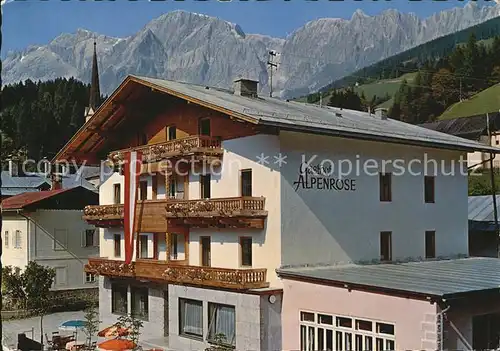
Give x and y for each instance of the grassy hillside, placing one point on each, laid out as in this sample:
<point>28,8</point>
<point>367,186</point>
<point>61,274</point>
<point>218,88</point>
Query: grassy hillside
<point>384,87</point>
<point>487,100</point>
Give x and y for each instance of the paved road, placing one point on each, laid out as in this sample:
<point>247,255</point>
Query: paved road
<point>51,323</point>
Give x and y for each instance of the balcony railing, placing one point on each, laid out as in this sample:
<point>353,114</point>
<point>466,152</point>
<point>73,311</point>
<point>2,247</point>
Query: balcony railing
<point>163,271</point>
<point>154,215</point>
<point>191,145</point>
<point>103,266</point>
<point>221,207</point>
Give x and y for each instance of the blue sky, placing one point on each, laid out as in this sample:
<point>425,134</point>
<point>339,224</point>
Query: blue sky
<point>32,22</point>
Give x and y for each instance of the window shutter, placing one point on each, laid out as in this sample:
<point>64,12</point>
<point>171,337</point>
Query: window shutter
<point>84,239</point>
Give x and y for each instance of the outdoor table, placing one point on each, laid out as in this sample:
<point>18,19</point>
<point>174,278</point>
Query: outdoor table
<point>74,345</point>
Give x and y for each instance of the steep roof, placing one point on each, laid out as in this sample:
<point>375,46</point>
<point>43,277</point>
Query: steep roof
<point>272,112</point>
<point>440,278</point>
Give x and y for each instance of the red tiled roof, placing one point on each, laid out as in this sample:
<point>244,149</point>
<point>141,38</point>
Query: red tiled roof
<point>25,199</point>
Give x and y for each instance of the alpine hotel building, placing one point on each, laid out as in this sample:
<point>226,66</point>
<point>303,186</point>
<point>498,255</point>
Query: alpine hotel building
<point>236,235</point>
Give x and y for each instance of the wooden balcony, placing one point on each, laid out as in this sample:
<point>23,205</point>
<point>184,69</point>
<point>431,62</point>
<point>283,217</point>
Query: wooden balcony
<point>167,272</point>
<point>197,146</point>
<point>156,215</point>
<point>103,266</point>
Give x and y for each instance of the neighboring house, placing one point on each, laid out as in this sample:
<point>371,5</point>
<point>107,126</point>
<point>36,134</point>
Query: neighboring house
<point>483,239</point>
<point>15,182</point>
<point>47,227</point>
<point>233,229</point>
<point>473,128</point>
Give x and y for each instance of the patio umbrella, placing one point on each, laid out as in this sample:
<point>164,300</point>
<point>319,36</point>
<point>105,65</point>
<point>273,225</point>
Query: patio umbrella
<point>73,325</point>
<point>113,331</point>
<point>117,345</point>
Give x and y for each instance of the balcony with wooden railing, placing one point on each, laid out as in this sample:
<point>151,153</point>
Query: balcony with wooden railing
<point>197,146</point>
<point>156,215</point>
<point>166,272</point>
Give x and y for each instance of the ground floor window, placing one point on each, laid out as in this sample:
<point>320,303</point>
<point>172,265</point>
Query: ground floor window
<point>327,332</point>
<point>191,317</point>
<point>221,323</point>
<point>140,304</point>
<point>90,277</point>
<point>119,304</point>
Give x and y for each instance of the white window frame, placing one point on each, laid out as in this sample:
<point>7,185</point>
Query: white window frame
<point>58,284</point>
<point>17,240</point>
<point>310,341</point>
<point>212,320</point>
<point>84,238</point>
<point>92,276</point>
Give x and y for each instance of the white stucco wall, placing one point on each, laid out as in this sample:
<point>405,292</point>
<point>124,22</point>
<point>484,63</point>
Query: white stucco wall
<point>68,259</point>
<point>12,256</point>
<point>239,154</point>
<point>325,226</point>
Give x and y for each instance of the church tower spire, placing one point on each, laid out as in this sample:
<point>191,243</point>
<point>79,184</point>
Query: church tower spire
<point>95,93</point>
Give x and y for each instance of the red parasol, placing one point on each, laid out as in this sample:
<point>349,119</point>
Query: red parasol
<point>113,331</point>
<point>117,345</point>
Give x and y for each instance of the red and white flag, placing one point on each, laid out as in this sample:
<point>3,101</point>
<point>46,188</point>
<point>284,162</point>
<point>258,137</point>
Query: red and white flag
<point>133,162</point>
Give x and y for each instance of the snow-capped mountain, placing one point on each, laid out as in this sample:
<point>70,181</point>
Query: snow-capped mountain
<point>205,50</point>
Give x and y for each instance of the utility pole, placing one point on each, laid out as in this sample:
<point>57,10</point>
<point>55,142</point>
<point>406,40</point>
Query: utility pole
<point>493,188</point>
<point>460,97</point>
<point>271,64</point>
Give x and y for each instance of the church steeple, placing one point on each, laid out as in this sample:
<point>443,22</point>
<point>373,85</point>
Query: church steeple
<point>95,93</point>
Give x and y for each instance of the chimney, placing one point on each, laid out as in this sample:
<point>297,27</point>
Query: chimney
<point>245,87</point>
<point>56,182</point>
<point>381,113</point>
<point>13,169</point>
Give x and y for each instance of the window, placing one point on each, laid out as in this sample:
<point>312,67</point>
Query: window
<point>142,138</point>
<point>429,189</point>
<point>205,251</point>
<point>119,300</point>
<point>89,277</point>
<point>6,239</point>
<point>61,276</point>
<point>172,133</point>
<point>191,317</point>
<point>205,186</point>
<point>172,185</point>
<point>221,321</point>
<point>347,333</point>
<point>117,192</point>
<point>205,126</point>
<point>154,186</point>
<point>60,239</point>
<point>246,182</point>
<point>89,238</point>
<point>143,246</point>
<point>246,251</point>
<point>177,246</point>
<point>430,244</point>
<point>140,304</point>
<point>117,238</point>
<point>385,246</point>
<point>17,240</point>
<point>385,187</point>
<point>143,190</point>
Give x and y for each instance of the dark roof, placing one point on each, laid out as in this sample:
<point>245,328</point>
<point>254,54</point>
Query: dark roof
<point>481,213</point>
<point>76,198</point>
<point>466,127</point>
<point>440,278</point>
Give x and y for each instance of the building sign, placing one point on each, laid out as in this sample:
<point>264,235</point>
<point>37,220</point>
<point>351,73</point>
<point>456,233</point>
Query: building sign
<point>319,177</point>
